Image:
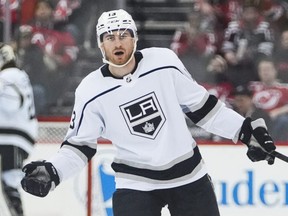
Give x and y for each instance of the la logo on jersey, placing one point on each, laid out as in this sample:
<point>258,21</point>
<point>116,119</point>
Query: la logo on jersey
<point>144,116</point>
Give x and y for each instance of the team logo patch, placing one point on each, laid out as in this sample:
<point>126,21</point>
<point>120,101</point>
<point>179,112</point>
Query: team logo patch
<point>144,116</point>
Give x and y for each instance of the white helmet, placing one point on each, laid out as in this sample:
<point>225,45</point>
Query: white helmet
<point>115,20</point>
<point>6,54</point>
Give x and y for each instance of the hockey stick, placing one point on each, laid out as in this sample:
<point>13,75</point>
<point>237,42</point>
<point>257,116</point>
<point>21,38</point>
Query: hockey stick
<point>273,153</point>
<point>4,206</point>
<point>279,156</point>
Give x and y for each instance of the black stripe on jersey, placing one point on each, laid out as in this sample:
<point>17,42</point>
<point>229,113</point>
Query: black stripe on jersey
<point>86,150</point>
<point>178,170</point>
<point>199,114</point>
<point>105,74</point>
<point>160,68</point>
<point>99,95</point>
<point>12,131</point>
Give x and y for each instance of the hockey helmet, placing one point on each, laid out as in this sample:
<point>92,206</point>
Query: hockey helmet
<point>115,20</point>
<point>6,54</point>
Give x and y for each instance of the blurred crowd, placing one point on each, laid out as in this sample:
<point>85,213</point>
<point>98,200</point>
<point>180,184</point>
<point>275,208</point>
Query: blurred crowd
<point>49,37</point>
<point>237,49</point>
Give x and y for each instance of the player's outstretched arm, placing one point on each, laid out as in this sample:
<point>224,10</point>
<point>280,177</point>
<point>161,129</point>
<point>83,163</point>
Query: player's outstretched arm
<point>40,178</point>
<point>43,176</point>
<point>259,142</point>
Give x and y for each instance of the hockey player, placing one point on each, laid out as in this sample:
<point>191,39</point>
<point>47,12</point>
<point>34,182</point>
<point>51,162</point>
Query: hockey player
<point>136,100</point>
<point>18,125</point>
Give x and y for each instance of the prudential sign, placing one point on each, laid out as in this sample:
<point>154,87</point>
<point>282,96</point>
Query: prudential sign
<point>249,191</point>
<point>246,188</point>
<point>241,187</point>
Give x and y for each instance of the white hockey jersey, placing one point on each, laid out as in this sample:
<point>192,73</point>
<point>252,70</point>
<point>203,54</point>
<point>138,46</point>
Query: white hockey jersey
<point>142,114</point>
<point>18,124</point>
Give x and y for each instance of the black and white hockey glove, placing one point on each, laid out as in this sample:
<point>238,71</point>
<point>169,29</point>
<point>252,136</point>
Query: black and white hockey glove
<point>255,135</point>
<point>40,178</point>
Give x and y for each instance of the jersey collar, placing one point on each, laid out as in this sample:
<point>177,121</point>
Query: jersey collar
<point>106,72</point>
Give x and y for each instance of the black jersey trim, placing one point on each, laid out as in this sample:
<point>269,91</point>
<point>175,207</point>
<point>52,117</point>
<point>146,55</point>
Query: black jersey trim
<point>86,150</point>
<point>178,170</point>
<point>160,68</point>
<point>19,93</point>
<point>92,99</point>
<point>12,131</point>
<point>199,114</point>
<point>107,73</point>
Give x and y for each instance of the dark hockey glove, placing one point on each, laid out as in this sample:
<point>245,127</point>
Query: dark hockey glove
<point>255,135</point>
<point>40,178</point>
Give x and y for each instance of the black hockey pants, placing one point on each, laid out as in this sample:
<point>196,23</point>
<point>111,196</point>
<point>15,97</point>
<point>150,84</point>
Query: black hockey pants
<point>194,199</point>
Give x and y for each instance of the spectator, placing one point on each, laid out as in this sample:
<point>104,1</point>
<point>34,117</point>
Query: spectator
<point>276,13</point>
<point>197,42</point>
<point>86,13</point>
<point>272,96</point>
<point>63,19</point>
<point>243,104</point>
<point>30,58</point>
<point>18,125</point>
<point>281,56</point>
<point>246,42</point>
<point>65,8</point>
<point>59,49</point>
<point>227,11</point>
<point>62,13</point>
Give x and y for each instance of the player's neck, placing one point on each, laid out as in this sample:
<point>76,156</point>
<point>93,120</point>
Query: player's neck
<point>123,71</point>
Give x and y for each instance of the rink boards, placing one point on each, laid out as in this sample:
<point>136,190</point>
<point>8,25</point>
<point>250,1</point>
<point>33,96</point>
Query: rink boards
<point>242,187</point>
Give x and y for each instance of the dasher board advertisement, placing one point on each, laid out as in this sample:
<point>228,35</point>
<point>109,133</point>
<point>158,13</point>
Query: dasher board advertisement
<point>241,186</point>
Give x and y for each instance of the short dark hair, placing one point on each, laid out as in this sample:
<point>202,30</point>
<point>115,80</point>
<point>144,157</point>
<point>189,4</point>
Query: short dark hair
<point>266,59</point>
<point>242,90</point>
<point>50,3</point>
